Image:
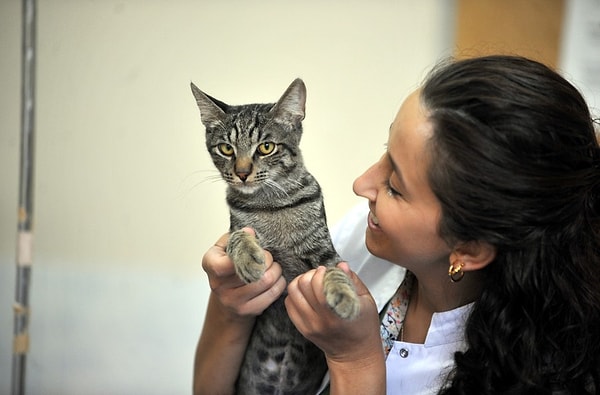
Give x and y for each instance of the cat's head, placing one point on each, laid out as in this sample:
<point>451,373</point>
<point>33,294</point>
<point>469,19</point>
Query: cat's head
<point>255,146</point>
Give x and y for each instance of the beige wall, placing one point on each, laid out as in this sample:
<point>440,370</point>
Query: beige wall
<point>124,202</point>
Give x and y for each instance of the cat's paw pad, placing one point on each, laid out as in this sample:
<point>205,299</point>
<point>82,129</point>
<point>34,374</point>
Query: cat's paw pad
<point>340,293</point>
<point>247,255</point>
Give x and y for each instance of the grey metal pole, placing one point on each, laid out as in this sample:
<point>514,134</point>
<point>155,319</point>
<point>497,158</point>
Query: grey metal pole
<point>25,214</point>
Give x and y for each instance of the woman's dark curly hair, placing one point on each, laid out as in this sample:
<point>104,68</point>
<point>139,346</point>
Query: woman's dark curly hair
<point>516,164</point>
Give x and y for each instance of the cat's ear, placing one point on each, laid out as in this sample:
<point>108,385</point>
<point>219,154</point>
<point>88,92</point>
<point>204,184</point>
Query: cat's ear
<point>291,106</point>
<point>212,111</point>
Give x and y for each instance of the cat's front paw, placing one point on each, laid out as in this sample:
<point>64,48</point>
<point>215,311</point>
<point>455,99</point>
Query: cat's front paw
<point>247,255</point>
<point>340,293</point>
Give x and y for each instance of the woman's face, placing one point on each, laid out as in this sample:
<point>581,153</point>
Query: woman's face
<point>404,212</point>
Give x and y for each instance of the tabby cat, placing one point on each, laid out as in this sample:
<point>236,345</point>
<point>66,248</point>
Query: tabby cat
<point>255,147</point>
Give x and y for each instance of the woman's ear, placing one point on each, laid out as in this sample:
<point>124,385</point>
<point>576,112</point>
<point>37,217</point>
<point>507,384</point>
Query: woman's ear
<point>475,255</point>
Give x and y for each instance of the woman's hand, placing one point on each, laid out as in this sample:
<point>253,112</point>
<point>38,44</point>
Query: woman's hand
<point>230,316</point>
<point>238,299</point>
<point>352,347</point>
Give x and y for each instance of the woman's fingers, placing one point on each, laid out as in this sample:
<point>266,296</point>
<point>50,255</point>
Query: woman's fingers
<point>255,297</point>
<point>301,299</point>
<point>231,291</point>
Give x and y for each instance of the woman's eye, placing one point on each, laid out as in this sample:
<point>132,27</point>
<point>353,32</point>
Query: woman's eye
<point>390,189</point>
<point>225,149</point>
<point>266,148</point>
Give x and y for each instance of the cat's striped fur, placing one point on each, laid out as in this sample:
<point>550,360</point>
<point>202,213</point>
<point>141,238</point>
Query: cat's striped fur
<point>256,149</point>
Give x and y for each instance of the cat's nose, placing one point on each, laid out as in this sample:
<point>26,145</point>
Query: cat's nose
<point>243,175</point>
<point>243,168</point>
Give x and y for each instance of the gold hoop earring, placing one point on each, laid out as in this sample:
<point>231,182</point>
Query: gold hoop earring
<point>455,271</point>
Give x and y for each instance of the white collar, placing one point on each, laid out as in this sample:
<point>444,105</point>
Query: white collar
<point>448,326</point>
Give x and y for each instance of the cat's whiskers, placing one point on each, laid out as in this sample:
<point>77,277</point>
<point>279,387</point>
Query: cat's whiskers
<point>276,188</point>
<point>296,182</point>
<point>187,184</point>
<point>199,172</point>
<point>212,179</point>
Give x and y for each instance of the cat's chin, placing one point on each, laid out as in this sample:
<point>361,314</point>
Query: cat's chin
<point>246,189</point>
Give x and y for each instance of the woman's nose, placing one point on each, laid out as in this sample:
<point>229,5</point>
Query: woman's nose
<point>366,184</point>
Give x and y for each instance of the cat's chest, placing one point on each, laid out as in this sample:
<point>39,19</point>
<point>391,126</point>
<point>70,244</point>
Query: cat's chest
<point>277,228</point>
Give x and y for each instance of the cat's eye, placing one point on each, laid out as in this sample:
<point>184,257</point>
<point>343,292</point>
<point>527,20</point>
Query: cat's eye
<point>266,148</point>
<point>225,149</point>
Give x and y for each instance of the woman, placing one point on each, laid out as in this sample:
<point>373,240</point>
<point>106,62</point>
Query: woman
<point>488,195</point>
